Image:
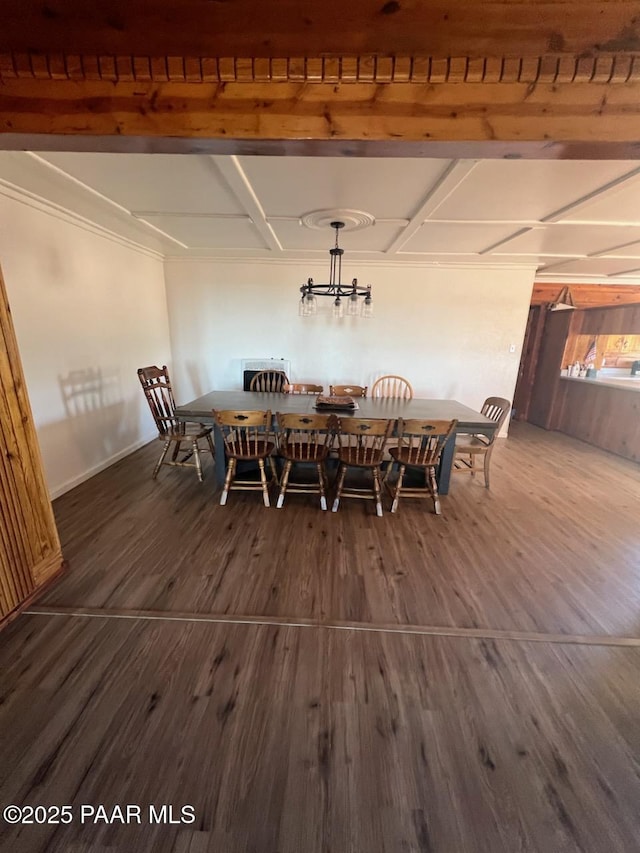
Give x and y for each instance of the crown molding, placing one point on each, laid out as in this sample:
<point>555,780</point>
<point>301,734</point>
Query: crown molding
<point>557,278</point>
<point>63,214</point>
<point>376,264</point>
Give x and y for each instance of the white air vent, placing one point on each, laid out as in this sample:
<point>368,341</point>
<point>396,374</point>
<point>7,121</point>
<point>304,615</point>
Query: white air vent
<point>282,364</point>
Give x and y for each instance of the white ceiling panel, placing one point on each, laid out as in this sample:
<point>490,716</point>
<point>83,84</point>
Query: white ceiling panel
<point>567,240</point>
<point>626,250</point>
<point>202,232</point>
<point>621,205</point>
<point>386,188</point>
<point>633,274</point>
<point>590,267</point>
<point>452,237</point>
<point>294,236</point>
<point>160,183</point>
<point>426,211</point>
<point>525,190</point>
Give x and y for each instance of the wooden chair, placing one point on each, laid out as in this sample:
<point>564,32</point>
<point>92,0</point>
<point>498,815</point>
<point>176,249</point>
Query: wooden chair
<point>303,388</point>
<point>361,443</point>
<point>156,385</point>
<point>471,447</point>
<point>420,445</point>
<point>305,439</point>
<point>269,380</point>
<point>392,386</point>
<point>348,390</point>
<point>247,438</point>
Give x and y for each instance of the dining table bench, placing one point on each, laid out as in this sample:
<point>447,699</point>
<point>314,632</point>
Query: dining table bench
<point>383,408</point>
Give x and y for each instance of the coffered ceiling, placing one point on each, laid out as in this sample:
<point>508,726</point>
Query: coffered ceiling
<point>571,219</point>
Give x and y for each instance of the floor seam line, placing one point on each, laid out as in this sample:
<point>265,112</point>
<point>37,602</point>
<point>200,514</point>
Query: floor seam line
<point>414,630</point>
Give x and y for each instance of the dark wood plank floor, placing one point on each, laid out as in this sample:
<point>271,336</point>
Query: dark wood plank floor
<point>344,729</point>
<point>311,739</point>
<point>553,547</point>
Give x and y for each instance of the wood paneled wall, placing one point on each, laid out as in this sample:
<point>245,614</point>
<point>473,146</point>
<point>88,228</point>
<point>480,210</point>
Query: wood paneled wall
<point>606,417</point>
<point>30,552</point>
<point>547,375</point>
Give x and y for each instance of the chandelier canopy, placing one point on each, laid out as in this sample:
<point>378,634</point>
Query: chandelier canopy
<point>358,299</point>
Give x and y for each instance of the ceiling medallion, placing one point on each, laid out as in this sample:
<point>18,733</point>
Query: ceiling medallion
<point>352,220</point>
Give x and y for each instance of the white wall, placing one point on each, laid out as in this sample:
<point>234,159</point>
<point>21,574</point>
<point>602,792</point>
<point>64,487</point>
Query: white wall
<point>88,311</point>
<point>448,330</point>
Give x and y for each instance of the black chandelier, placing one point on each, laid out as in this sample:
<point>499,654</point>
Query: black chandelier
<point>349,292</point>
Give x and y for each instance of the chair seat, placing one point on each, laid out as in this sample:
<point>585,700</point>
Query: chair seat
<point>259,449</point>
<point>361,457</point>
<point>184,431</point>
<point>471,444</point>
<point>409,456</point>
<point>304,452</point>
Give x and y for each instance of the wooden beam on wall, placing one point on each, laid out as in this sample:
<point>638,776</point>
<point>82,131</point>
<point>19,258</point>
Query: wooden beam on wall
<point>254,28</point>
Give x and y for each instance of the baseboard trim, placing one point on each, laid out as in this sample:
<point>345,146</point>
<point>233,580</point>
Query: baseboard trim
<point>60,490</point>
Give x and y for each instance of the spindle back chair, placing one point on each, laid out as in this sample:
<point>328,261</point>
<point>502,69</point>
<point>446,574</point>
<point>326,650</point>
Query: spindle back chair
<point>420,445</point>
<point>247,437</point>
<point>305,439</point>
<point>158,392</point>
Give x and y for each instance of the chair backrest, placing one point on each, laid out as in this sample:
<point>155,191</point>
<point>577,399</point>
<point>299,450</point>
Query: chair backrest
<point>392,386</point>
<point>157,389</point>
<point>424,439</point>
<point>498,409</point>
<point>269,380</point>
<point>303,388</point>
<point>348,390</point>
<point>365,435</point>
<point>244,433</point>
<point>300,434</point>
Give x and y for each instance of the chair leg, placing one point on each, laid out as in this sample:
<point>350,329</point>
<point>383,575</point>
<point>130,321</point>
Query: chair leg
<point>274,471</point>
<point>176,450</point>
<point>487,457</point>
<point>471,465</point>
<point>341,475</point>
<point>388,471</point>
<point>396,493</point>
<point>433,488</point>
<point>321,485</point>
<point>196,459</point>
<point>165,450</point>
<point>284,482</point>
<point>263,480</point>
<point>231,470</point>
<point>376,491</point>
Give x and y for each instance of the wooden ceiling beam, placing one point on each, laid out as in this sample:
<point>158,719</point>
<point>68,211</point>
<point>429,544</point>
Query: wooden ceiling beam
<point>587,295</point>
<point>255,28</point>
<point>575,114</point>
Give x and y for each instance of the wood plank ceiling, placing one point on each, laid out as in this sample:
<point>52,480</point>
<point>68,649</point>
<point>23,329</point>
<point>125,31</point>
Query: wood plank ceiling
<point>517,78</point>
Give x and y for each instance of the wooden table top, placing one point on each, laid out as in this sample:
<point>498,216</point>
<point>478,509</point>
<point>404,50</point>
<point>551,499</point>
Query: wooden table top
<point>424,409</point>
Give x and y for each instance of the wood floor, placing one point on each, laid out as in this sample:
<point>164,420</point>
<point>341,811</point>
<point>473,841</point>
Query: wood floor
<point>337,683</point>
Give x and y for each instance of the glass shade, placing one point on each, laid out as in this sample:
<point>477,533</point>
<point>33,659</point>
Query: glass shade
<point>338,309</point>
<point>367,307</point>
<point>353,308</point>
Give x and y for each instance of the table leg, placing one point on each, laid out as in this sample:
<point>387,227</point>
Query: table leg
<point>446,463</point>
<point>220,469</point>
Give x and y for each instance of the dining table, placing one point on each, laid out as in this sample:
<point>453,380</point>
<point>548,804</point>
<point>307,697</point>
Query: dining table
<point>380,408</point>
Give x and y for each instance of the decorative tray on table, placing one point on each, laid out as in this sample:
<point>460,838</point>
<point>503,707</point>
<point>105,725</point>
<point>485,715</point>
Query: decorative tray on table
<point>335,403</point>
